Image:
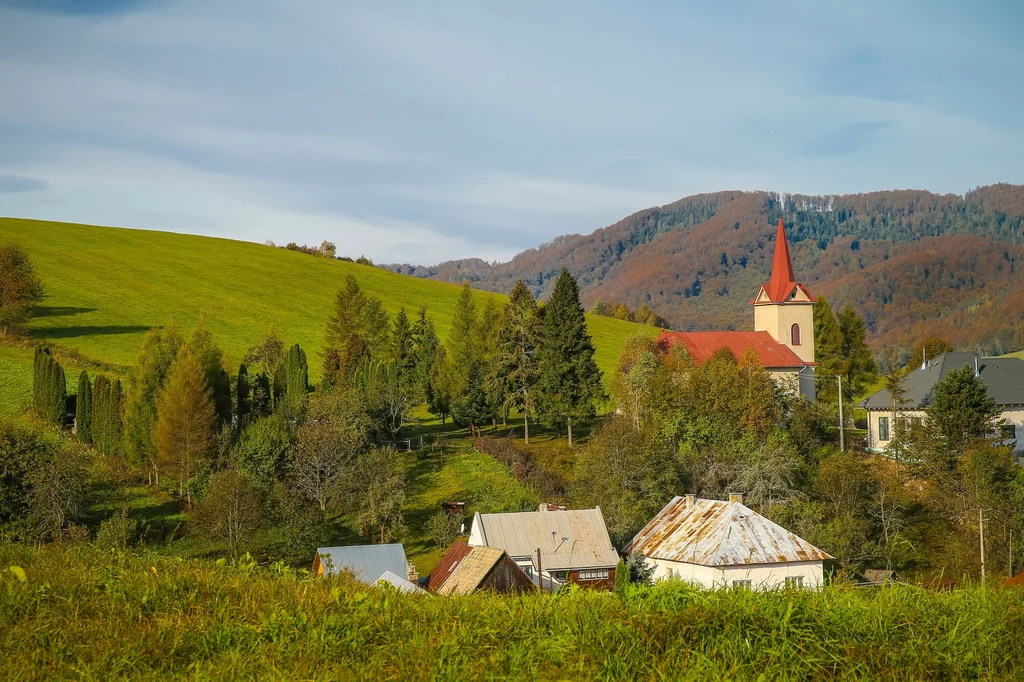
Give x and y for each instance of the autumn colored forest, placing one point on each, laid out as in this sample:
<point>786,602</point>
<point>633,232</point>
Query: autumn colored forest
<point>913,263</point>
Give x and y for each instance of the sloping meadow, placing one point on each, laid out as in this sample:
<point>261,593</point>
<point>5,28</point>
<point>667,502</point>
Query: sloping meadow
<point>75,612</point>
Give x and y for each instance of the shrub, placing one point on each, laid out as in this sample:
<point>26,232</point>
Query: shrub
<point>118,532</point>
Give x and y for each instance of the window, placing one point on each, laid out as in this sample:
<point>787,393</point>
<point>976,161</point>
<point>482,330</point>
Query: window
<point>794,334</point>
<point>599,574</point>
<point>883,428</point>
<point>1009,431</point>
<point>795,583</point>
<point>742,584</point>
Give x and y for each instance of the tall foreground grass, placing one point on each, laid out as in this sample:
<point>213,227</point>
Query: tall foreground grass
<point>83,614</point>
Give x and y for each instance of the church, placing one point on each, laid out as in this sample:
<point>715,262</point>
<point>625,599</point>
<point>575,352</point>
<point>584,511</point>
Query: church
<point>783,335</point>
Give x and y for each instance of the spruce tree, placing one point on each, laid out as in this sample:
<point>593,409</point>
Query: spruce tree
<point>402,340</point>
<point>425,345</point>
<point>570,382</point>
<point>40,378</point>
<point>462,346</point>
<point>828,350</point>
<point>861,369</point>
<point>211,357</point>
<point>472,408</point>
<point>962,409</point>
<point>83,408</point>
<point>514,367</point>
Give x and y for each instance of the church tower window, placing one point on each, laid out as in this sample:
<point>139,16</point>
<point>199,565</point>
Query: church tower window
<point>794,334</point>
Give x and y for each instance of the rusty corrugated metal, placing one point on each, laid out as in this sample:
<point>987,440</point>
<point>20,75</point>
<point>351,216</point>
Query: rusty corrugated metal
<point>715,533</point>
<point>447,565</point>
<point>569,539</point>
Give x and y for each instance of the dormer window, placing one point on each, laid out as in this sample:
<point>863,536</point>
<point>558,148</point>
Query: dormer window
<point>794,335</point>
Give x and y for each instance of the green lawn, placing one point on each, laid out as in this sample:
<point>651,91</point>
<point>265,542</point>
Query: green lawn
<point>106,287</point>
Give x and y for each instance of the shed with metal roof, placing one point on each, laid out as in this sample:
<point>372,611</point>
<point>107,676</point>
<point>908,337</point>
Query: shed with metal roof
<point>367,563</point>
<point>715,543</point>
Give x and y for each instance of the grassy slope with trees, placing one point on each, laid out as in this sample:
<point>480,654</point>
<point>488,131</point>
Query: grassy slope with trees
<point>106,287</point>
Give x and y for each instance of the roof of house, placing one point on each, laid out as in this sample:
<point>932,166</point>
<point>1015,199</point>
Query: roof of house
<point>1004,378</point>
<point>702,345</point>
<point>399,583</point>
<point>471,570</point>
<point>366,562</point>
<point>881,575</point>
<point>448,563</point>
<point>1015,581</point>
<point>715,533</point>
<point>573,538</point>
<point>781,288</point>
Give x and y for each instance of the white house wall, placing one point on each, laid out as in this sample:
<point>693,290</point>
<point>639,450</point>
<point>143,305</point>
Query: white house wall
<point>1014,416</point>
<point>762,576</point>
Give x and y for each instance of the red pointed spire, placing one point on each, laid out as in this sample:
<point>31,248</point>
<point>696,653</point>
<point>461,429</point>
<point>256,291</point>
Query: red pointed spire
<point>782,267</point>
<point>783,282</point>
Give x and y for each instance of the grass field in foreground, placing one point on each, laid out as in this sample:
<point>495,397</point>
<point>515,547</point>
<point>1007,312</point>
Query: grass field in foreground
<point>84,614</point>
<point>106,287</point>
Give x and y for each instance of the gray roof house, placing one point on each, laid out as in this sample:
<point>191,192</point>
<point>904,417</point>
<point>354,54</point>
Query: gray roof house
<point>1004,378</point>
<point>574,544</point>
<point>366,562</point>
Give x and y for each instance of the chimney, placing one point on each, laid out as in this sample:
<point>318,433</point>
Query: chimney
<point>411,573</point>
<point>691,500</point>
<point>924,359</point>
<point>736,497</point>
<point>977,369</point>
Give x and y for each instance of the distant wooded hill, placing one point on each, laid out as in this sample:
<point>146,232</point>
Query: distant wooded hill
<point>913,263</point>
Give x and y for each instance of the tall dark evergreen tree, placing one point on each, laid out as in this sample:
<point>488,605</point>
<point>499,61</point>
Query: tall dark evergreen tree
<point>570,382</point>
<point>295,381</point>
<point>83,408</point>
<point>205,349</point>
<point>514,369</point>
<point>828,351</point>
<point>860,367</point>
<point>402,342</point>
<point>472,409</point>
<point>425,345</point>
<point>962,410</point>
<point>243,406</point>
<point>56,412</point>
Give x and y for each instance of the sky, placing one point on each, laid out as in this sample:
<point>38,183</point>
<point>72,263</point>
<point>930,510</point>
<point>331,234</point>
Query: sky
<point>421,132</point>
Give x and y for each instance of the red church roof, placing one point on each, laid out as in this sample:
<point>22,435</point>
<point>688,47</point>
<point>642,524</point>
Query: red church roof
<point>702,345</point>
<point>783,281</point>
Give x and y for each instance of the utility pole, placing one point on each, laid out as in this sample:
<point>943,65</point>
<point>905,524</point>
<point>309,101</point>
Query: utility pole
<point>842,445</point>
<point>1010,562</point>
<point>981,541</point>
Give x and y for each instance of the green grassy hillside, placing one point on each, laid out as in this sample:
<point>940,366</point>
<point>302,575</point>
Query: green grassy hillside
<point>106,287</point>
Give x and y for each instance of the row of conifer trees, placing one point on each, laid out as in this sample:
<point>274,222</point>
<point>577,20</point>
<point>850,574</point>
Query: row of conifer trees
<point>97,403</point>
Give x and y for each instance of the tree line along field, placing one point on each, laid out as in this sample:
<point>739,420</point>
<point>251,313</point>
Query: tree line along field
<point>106,287</point>
<point>70,611</point>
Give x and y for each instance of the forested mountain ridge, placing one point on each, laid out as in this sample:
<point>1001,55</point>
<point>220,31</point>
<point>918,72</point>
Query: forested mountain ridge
<point>912,262</point>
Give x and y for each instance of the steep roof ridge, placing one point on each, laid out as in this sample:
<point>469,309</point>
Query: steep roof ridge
<point>782,280</point>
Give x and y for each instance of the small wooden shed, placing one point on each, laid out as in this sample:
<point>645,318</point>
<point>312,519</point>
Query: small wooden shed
<point>465,569</point>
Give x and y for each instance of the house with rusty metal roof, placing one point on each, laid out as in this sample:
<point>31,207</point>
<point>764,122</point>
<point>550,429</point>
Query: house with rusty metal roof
<point>1003,379</point>
<point>783,334</point>
<point>465,569</point>
<point>553,547</point>
<point>726,544</point>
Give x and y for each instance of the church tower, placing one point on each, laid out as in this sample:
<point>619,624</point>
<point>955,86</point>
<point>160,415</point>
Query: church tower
<point>785,308</point>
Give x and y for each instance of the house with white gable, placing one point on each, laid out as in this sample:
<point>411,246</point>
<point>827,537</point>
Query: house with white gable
<point>718,544</point>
